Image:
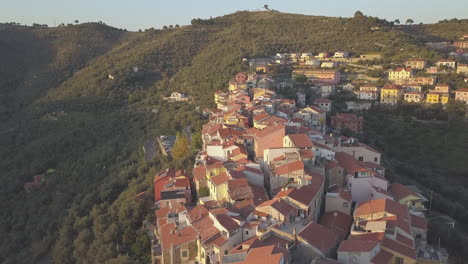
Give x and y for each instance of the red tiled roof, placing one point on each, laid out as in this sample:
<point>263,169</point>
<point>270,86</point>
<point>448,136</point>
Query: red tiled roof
<point>227,222</point>
<point>399,191</point>
<point>338,222</point>
<point>205,228</point>
<point>281,206</point>
<point>306,154</point>
<point>259,194</point>
<point>220,179</point>
<point>401,69</point>
<point>289,167</point>
<point>399,248</point>
<point>382,205</point>
<point>301,140</point>
<point>162,212</point>
<point>197,213</point>
<point>404,240</point>
<point>392,87</point>
<point>304,195</point>
<point>199,173</point>
<point>260,213</point>
<point>217,240</point>
<point>170,236</point>
<point>182,182</point>
<point>260,117</point>
<point>377,236</point>
<point>354,245</point>
<point>319,237</point>
<point>418,222</point>
<point>266,131</point>
<point>266,254</point>
<point>383,257</point>
<point>348,162</point>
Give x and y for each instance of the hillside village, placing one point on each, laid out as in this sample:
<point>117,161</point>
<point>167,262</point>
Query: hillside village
<point>277,181</point>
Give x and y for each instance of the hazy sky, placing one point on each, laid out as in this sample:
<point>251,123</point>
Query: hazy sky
<point>141,14</point>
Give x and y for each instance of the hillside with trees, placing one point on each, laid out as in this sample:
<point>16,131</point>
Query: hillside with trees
<point>83,99</point>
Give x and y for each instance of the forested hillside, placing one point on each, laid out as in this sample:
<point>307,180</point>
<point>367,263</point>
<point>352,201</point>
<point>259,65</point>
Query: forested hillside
<point>79,99</point>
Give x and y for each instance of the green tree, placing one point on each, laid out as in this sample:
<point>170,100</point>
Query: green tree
<point>397,21</point>
<point>301,78</point>
<point>181,146</point>
<point>409,21</point>
<point>358,14</point>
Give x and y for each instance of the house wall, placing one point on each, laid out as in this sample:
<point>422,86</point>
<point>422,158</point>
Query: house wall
<point>216,152</point>
<point>361,188</point>
<point>358,257</point>
<point>219,192</point>
<point>406,260</point>
<point>362,152</point>
<point>324,153</point>
<point>273,153</point>
<point>334,202</point>
<point>336,176</point>
<point>272,140</point>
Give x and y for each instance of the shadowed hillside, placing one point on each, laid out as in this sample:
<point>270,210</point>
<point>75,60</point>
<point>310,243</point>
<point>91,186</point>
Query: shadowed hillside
<point>81,100</point>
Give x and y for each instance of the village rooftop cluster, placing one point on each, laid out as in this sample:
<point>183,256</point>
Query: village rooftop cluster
<point>273,185</point>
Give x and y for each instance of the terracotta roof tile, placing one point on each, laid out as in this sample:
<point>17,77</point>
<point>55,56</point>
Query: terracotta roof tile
<point>418,222</point>
<point>399,191</point>
<point>170,236</point>
<point>354,245</point>
<point>220,179</point>
<point>383,257</point>
<point>227,222</point>
<point>349,163</point>
<point>289,167</point>
<point>199,173</point>
<point>338,222</point>
<point>266,254</point>
<point>399,248</point>
<point>377,236</point>
<point>318,236</point>
<point>301,140</point>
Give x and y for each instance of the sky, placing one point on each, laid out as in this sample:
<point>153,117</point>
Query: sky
<point>142,14</point>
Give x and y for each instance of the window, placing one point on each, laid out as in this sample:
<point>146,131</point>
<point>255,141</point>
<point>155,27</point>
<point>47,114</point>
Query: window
<point>376,159</point>
<point>345,204</point>
<point>226,252</point>
<point>399,260</point>
<point>184,253</point>
<point>361,158</point>
<point>246,232</point>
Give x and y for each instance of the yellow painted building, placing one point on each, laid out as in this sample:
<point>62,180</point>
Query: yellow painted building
<point>432,98</point>
<point>221,98</point>
<point>416,64</point>
<point>218,187</point>
<point>233,86</point>
<point>444,98</point>
<point>391,94</point>
<point>400,73</point>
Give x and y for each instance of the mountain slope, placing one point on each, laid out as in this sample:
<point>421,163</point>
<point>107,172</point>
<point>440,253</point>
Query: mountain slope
<point>90,126</point>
